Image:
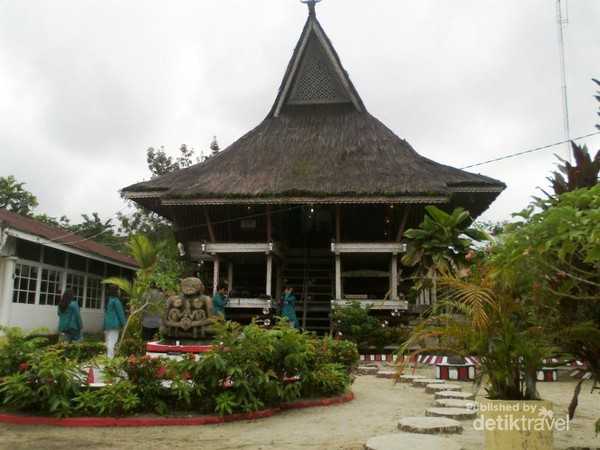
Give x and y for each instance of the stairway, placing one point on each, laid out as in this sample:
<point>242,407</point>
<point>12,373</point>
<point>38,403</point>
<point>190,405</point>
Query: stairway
<point>310,273</point>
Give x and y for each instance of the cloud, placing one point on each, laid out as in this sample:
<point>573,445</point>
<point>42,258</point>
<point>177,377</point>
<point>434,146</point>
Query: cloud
<point>86,87</point>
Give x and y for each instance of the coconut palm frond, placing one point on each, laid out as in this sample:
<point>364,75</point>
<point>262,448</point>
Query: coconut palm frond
<point>143,251</point>
<point>477,299</point>
<point>123,284</point>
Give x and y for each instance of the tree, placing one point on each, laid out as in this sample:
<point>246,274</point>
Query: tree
<point>160,267</point>
<point>14,197</point>
<point>441,245</point>
<point>159,163</point>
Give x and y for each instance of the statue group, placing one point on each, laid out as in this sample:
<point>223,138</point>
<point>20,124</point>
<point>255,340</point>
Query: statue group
<point>190,314</point>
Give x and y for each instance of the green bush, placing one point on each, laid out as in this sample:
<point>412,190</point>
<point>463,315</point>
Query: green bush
<point>116,399</point>
<point>81,351</point>
<point>341,352</point>
<point>46,383</point>
<point>17,347</point>
<point>356,324</point>
<point>250,368</point>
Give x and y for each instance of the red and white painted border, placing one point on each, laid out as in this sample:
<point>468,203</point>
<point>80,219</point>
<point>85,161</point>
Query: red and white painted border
<point>103,422</point>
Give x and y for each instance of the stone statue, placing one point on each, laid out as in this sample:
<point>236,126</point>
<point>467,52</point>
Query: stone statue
<point>189,314</point>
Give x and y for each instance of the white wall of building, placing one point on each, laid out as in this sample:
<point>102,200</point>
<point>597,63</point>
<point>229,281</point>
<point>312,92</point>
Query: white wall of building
<point>29,311</point>
<point>31,317</point>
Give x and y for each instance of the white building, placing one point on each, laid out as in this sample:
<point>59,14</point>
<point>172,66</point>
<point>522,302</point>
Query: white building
<point>38,262</point>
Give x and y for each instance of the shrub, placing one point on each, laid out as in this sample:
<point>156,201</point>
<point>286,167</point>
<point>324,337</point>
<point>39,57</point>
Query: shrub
<point>17,347</point>
<point>81,351</point>
<point>341,352</point>
<point>47,383</point>
<point>116,399</point>
<point>325,380</point>
<point>356,324</point>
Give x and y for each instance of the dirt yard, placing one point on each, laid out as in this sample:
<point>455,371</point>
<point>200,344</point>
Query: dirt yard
<point>377,407</point>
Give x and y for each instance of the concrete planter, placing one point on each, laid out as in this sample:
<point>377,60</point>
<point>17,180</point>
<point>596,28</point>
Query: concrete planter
<point>517,425</point>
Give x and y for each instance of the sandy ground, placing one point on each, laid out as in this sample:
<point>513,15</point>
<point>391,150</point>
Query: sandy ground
<point>377,407</point>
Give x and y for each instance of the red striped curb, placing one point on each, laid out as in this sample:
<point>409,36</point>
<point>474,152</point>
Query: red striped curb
<point>98,422</point>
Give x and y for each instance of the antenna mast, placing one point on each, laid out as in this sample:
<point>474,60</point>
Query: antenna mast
<point>562,19</point>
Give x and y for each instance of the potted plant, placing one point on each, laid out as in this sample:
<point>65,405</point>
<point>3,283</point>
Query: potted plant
<point>479,317</point>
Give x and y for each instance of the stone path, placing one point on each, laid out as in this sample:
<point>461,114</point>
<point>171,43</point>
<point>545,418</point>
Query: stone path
<point>386,373</point>
<point>451,413</point>
<point>440,387</point>
<point>422,382</point>
<point>429,425</point>
<point>410,378</point>
<point>455,403</point>
<point>407,441</point>
<point>455,395</point>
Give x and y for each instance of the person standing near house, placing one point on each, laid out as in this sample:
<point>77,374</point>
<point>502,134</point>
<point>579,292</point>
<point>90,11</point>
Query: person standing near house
<point>69,317</point>
<point>114,320</point>
<point>220,300</point>
<point>288,306</point>
<point>151,318</point>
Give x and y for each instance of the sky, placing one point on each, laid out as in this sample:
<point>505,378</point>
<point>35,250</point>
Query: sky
<point>87,86</point>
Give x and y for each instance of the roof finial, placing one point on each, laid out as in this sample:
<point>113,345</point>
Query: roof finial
<point>311,6</point>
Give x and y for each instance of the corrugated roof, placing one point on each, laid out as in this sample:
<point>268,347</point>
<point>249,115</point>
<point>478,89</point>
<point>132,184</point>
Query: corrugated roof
<point>61,236</point>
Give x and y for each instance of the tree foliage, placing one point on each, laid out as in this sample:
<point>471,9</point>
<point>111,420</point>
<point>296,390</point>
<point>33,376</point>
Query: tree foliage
<point>441,244</point>
<point>14,197</point>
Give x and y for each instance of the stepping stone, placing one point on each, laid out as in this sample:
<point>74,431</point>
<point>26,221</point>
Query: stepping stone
<point>454,394</point>
<point>410,378</point>
<point>407,441</point>
<point>367,370</point>
<point>451,413</point>
<point>386,373</point>
<point>433,388</point>
<point>456,403</point>
<point>422,382</point>
<point>429,425</point>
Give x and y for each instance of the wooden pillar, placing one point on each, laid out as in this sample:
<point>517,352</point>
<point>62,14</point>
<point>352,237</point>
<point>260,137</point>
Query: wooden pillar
<point>215,273</point>
<point>338,277</point>
<point>338,223</point>
<point>278,281</point>
<point>394,277</point>
<point>211,231</point>
<point>230,277</point>
<point>269,274</point>
<point>269,224</point>
<point>403,222</point>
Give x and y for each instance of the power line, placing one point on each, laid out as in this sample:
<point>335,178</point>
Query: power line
<point>537,149</point>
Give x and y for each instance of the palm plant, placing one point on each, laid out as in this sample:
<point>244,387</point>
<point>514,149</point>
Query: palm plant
<point>485,320</point>
<point>146,255</point>
<point>440,245</point>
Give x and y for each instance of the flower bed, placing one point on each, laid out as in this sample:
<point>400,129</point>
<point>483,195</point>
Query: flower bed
<point>17,419</point>
<point>250,370</point>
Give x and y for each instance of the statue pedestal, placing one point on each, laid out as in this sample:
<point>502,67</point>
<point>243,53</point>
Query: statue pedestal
<point>172,350</point>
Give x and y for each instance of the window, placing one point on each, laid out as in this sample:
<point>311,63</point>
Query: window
<point>28,250</point>
<point>93,299</point>
<point>77,262</point>
<point>75,283</point>
<point>54,257</point>
<point>96,267</point>
<point>25,284</point>
<point>50,287</point>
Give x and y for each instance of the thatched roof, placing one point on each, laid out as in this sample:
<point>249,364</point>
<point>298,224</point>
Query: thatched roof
<point>318,144</point>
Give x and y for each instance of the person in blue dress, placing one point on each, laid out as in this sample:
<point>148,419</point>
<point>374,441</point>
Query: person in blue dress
<point>114,320</point>
<point>288,306</point>
<point>69,317</point>
<point>219,301</point>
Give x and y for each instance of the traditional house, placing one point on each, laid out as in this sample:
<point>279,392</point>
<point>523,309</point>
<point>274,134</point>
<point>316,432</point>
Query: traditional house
<point>38,262</point>
<point>317,196</point>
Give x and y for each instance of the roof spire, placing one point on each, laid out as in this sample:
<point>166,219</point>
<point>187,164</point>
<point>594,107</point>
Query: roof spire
<point>311,6</point>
